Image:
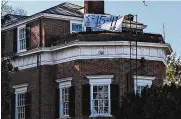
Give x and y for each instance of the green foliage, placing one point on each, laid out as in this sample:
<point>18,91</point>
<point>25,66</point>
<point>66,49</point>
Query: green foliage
<point>173,69</point>
<point>6,67</point>
<point>154,103</point>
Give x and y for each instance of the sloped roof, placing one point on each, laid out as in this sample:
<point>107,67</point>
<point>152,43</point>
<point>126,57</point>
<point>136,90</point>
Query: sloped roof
<point>67,9</point>
<point>12,19</point>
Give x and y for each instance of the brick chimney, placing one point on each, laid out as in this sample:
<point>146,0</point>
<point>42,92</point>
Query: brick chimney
<point>95,7</point>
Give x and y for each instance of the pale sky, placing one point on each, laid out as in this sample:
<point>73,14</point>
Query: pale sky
<point>153,15</point>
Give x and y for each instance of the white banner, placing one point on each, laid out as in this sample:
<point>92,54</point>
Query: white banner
<point>104,22</point>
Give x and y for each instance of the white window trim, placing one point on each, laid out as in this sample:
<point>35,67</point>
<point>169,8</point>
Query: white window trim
<point>22,88</point>
<point>63,83</point>
<point>76,22</point>
<point>96,80</point>
<point>142,81</point>
<point>18,43</point>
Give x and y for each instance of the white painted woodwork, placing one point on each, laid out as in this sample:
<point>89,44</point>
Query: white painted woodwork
<point>83,50</point>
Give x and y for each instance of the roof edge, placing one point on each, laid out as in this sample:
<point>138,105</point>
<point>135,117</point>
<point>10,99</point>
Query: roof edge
<point>45,15</point>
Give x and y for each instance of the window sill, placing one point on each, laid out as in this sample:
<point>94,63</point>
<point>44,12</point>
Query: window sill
<point>100,115</point>
<point>64,117</point>
<point>20,51</point>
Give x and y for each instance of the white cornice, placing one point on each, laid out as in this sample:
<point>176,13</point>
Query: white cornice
<point>20,86</point>
<point>144,77</point>
<point>100,76</point>
<point>64,80</point>
<point>39,15</point>
<point>98,43</point>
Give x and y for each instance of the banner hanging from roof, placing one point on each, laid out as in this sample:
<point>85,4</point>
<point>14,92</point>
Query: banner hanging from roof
<point>104,22</point>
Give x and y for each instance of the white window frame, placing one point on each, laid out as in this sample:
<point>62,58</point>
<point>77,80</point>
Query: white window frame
<point>63,83</point>
<point>76,22</point>
<point>19,89</point>
<point>18,39</point>
<point>102,80</point>
<point>142,81</point>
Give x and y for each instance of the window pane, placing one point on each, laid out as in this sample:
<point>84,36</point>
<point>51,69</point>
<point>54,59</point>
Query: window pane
<point>65,101</point>
<point>95,95</point>
<point>105,109</point>
<point>95,89</point>
<point>21,105</point>
<point>76,27</point>
<point>100,99</point>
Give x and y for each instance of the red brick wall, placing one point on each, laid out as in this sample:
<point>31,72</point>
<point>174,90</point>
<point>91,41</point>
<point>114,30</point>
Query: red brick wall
<point>8,41</point>
<point>96,7</point>
<point>78,70</point>
<point>55,28</point>
<point>52,28</point>
<point>35,34</point>
<point>29,76</point>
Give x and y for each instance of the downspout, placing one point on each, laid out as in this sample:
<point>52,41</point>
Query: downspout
<point>39,65</point>
<point>129,74</point>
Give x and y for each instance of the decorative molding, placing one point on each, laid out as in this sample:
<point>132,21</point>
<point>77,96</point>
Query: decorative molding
<point>90,50</point>
<point>64,79</point>
<point>20,85</point>
<point>144,77</point>
<point>64,82</point>
<point>22,88</point>
<point>143,81</point>
<point>100,76</point>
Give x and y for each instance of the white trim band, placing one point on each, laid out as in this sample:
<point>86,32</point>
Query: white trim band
<point>22,88</point>
<point>90,50</point>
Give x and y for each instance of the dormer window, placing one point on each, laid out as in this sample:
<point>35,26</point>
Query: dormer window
<point>76,26</point>
<point>21,38</point>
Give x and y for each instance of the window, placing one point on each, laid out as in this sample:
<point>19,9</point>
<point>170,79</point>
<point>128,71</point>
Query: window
<point>20,98</point>
<point>65,101</point>
<point>100,99</point>
<point>21,105</point>
<point>21,38</point>
<point>64,86</point>
<point>139,89</point>
<point>141,82</point>
<point>100,95</point>
<point>75,26</point>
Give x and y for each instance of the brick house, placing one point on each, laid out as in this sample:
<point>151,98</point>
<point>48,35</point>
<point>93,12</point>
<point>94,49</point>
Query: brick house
<point>66,72</point>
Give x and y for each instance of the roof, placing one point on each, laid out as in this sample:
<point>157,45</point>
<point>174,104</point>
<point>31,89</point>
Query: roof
<point>67,9</point>
<point>106,36</point>
<point>12,18</point>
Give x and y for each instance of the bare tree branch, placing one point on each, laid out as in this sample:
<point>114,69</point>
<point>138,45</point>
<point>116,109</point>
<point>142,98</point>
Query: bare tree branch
<point>8,9</point>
